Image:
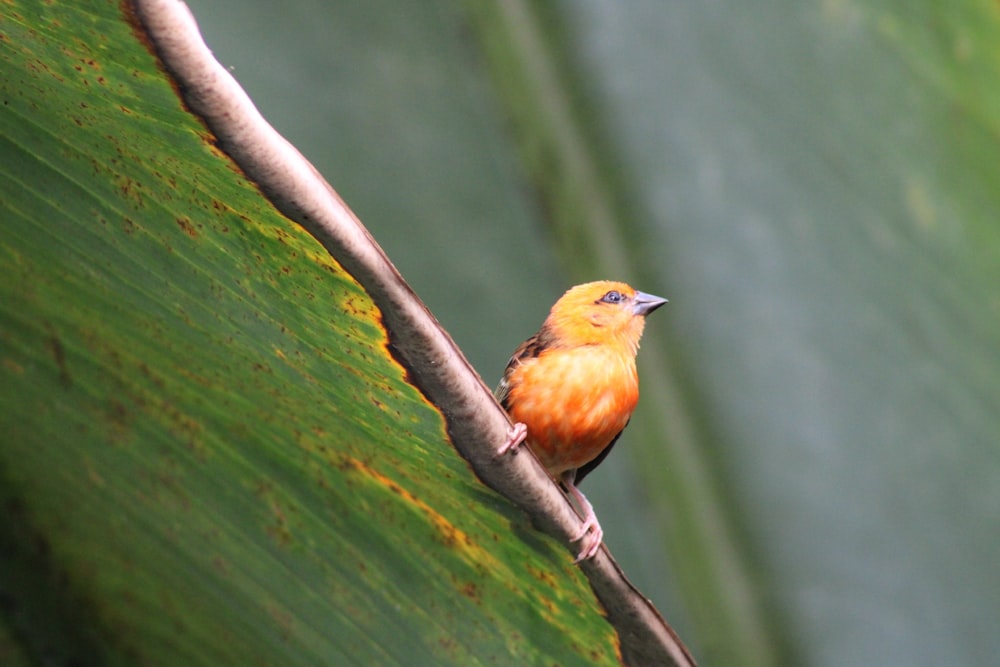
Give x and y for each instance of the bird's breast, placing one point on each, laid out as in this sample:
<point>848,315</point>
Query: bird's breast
<point>574,402</point>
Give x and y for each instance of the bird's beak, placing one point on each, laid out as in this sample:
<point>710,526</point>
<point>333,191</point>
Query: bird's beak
<point>644,304</point>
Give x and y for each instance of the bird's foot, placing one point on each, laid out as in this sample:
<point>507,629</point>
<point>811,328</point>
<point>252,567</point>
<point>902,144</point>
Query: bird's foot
<point>590,537</point>
<point>515,436</point>
<point>591,534</point>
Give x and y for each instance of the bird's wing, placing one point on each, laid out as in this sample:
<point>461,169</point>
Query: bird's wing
<point>586,468</point>
<point>529,349</point>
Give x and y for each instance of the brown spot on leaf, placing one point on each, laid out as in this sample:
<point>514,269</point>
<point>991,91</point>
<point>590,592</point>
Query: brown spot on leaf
<point>471,591</point>
<point>59,354</point>
<point>185,224</point>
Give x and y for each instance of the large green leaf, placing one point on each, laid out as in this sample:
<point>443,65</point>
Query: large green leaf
<point>209,454</point>
<point>814,188</point>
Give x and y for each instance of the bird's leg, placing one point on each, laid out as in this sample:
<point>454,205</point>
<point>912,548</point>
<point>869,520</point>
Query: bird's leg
<point>590,524</point>
<point>515,436</point>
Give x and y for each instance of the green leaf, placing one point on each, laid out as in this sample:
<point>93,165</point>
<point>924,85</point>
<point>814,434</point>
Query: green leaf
<point>209,454</point>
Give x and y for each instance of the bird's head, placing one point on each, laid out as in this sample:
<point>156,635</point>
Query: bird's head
<point>602,312</point>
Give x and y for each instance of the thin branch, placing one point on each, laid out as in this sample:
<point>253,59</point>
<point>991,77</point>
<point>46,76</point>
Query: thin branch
<point>476,423</point>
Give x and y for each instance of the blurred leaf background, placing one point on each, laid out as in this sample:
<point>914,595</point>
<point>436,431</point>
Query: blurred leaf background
<point>813,474</point>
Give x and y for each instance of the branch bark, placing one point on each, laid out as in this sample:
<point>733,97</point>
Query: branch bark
<point>476,423</point>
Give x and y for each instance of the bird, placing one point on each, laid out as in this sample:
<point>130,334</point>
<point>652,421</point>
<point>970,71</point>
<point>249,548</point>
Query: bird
<point>571,388</point>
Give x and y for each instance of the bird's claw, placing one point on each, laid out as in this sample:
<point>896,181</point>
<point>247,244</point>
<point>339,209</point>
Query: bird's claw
<point>589,547</point>
<point>515,436</point>
<point>590,527</point>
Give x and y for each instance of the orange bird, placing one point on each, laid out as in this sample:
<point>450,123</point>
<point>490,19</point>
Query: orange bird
<point>571,388</point>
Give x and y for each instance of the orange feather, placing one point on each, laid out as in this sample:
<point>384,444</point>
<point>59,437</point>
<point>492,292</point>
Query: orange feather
<point>574,385</point>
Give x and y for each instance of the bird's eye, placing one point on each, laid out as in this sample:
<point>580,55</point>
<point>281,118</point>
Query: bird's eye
<point>612,297</point>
